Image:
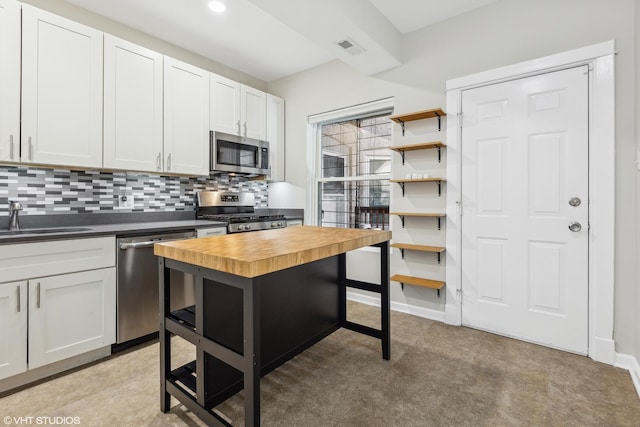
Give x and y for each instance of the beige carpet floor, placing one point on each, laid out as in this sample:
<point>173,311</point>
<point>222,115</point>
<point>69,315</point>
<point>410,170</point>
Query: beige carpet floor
<point>438,375</point>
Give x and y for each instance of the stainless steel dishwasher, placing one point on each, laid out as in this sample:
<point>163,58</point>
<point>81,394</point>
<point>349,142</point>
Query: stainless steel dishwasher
<point>137,286</point>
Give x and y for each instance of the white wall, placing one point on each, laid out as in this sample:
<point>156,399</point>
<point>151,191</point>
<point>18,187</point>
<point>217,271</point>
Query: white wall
<point>503,33</point>
<point>62,8</point>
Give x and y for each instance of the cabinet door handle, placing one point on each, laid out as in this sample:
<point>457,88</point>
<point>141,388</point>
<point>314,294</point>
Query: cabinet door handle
<point>158,161</point>
<point>239,127</point>
<point>18,305</point>
<point>11,147</point>
<point>169,162</point>
<point>245,129</point>
<point>30,149</point>
<point>38,295</point>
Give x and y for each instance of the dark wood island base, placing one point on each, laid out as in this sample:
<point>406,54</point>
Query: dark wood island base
<point>244,327</point>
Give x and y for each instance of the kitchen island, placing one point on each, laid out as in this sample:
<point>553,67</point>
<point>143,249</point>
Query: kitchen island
<point>261,299</point>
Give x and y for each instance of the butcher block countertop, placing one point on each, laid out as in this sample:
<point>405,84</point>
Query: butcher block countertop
<point>261,252</point>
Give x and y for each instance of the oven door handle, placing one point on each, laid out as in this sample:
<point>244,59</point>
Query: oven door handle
<point>147,244</point>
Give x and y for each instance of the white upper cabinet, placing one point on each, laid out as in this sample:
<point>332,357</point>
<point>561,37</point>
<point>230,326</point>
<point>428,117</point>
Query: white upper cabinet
<point>238,109</point>
<point>253,113</point>
<point>132,106</point>
<point>186,118</point>
<point>9,80</point>
<point>225,105</point>
<point>61,91</point>
<point>275,137</point>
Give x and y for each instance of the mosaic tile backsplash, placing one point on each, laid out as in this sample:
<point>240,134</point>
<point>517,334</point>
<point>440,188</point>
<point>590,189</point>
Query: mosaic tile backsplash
<point>58,191</point>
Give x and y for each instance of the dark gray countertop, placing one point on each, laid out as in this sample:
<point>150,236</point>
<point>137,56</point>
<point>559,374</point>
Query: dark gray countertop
<point>119,224</point>
<point>122,229</point>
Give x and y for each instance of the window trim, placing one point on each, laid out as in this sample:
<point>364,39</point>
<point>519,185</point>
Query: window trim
<point>314,149</point>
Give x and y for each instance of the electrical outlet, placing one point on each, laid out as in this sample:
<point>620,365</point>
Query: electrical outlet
<point>125,201</point>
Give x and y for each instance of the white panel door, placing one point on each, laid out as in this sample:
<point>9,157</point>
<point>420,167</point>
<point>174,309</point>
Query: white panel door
<point>253,113</point>
<point>71,314</point>
<point>225,105</point>
<point>9,80</point>
<point>132,106</point>
<point>186,118</point>
<point>524,158</point>
<point>13,328</point>
<point>61,90</point>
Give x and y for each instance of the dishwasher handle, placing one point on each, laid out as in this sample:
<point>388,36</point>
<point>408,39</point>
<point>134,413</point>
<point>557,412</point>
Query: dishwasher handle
<point>148,243</point>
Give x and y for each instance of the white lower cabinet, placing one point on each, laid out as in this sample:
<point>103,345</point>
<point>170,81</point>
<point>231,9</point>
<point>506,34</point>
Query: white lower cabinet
<point>13,328</point>
<point>59,301</point>
<point>71,314</point>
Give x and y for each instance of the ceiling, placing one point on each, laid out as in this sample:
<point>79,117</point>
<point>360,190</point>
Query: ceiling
<point>271,39</point>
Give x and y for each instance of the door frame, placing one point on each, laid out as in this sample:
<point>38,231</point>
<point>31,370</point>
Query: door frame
<point>600,59</point>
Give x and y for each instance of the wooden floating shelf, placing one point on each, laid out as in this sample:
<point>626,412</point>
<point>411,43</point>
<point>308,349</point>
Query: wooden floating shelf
<point>426,214</point>
<point>418,180</point>
<point>420,248</point>
<point>419,115</point>
<point>402,182</point>
<point>402,215</point>
<point>422,146</point>
<point>418,281</point>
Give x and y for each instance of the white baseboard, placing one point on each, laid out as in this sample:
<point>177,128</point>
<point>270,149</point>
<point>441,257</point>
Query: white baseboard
<point>630,363</point>
<point>603,350</point>
<point>425,313</point>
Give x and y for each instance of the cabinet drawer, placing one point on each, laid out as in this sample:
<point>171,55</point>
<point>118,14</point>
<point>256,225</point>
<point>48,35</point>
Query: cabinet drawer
<point>208,232</point>
<point>28,260</point>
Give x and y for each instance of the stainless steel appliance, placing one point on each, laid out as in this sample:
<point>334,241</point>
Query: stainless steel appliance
<point>137,286</point>
<point>232,153</point>
<point>237,210</point>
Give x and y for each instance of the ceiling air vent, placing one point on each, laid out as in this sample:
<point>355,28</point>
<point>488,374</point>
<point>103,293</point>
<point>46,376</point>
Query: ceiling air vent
<point>351,47</point>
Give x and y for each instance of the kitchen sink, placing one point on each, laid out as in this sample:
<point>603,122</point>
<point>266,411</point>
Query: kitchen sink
<point>43,231</point>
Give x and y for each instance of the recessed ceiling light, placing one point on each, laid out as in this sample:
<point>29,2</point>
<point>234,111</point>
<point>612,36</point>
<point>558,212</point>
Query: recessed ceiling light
<point>217,6</point>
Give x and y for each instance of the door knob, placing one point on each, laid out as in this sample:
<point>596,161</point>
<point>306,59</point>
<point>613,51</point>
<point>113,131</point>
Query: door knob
<point>575,226</point>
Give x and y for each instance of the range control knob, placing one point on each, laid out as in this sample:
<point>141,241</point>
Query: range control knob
<point>247,227</point>
<point>274,224</point>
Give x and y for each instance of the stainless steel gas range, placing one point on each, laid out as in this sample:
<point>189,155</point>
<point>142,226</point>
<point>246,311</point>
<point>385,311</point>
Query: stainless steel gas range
<point>237,210</point>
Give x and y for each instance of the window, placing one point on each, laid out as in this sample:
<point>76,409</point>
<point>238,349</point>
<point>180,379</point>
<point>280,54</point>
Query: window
<point>354,171</point>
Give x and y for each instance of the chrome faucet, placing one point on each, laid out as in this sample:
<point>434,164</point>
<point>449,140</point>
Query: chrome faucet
<point>14,209</point>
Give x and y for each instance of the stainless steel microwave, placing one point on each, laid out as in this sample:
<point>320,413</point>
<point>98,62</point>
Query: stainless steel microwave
<point>232,153</point>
